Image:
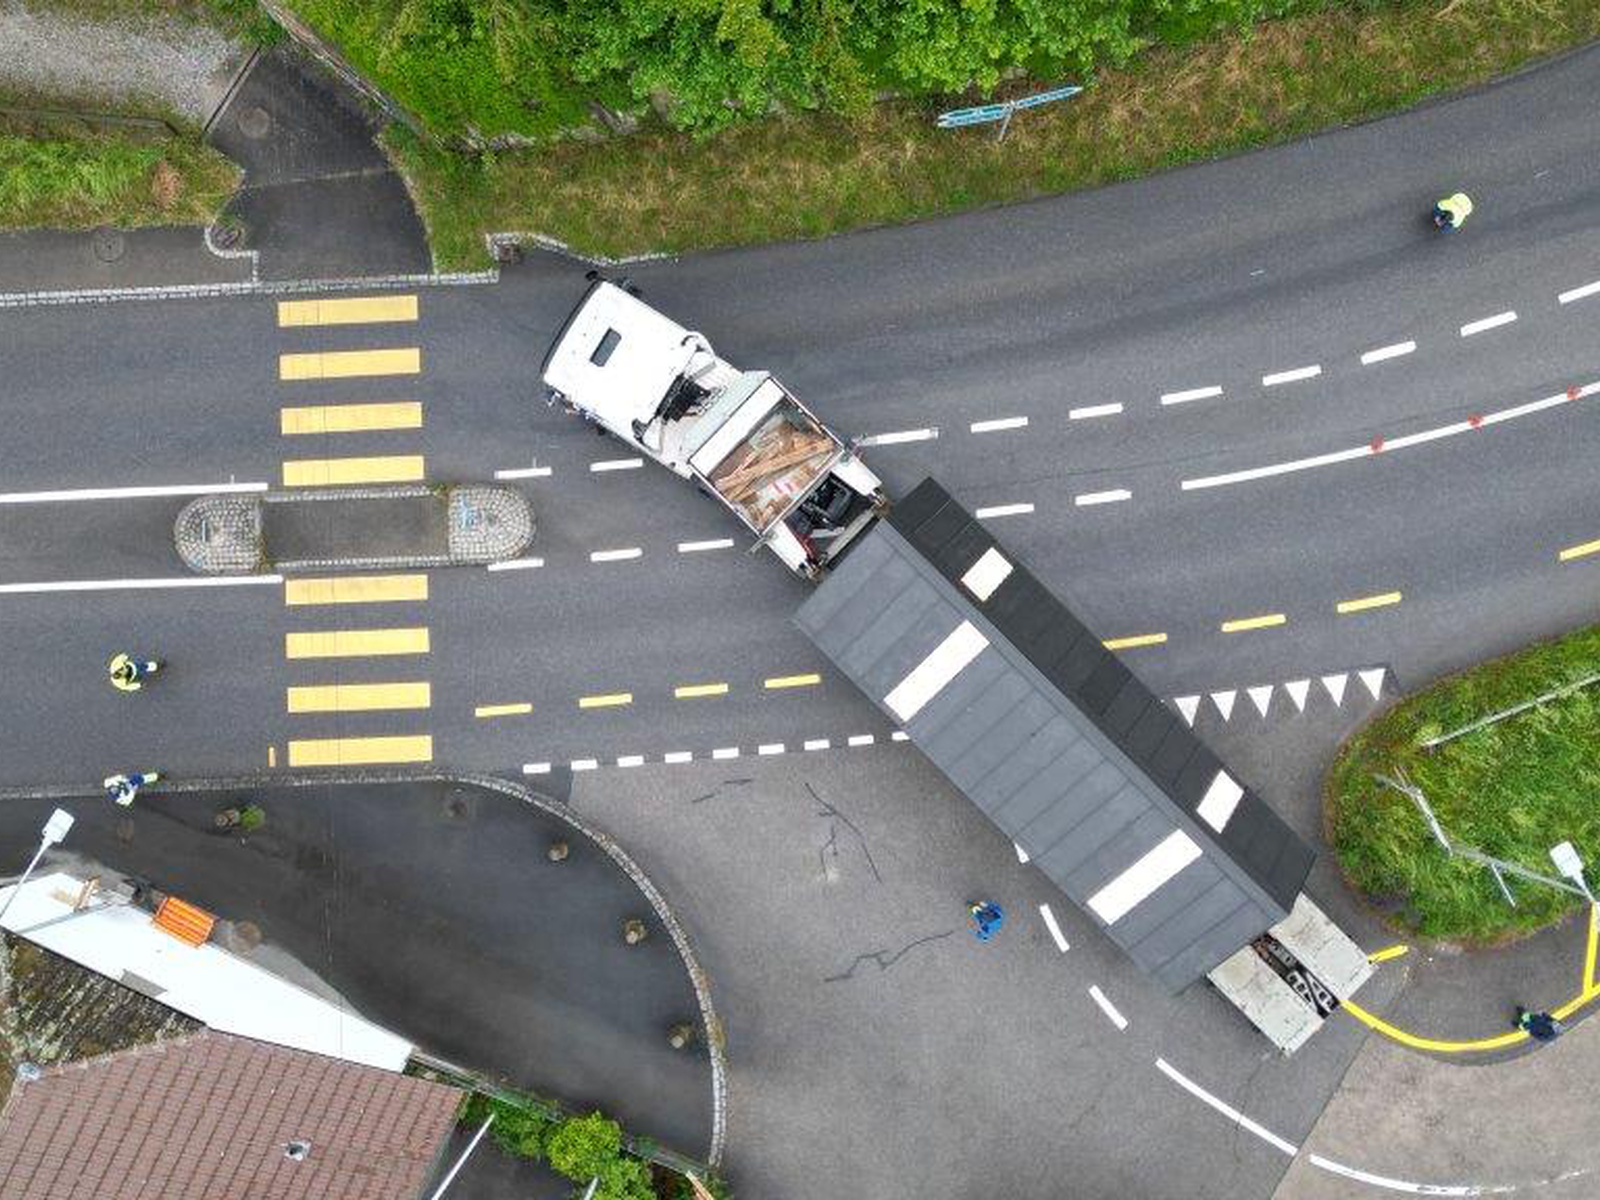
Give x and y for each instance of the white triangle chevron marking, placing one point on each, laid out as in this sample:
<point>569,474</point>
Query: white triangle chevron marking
<point>1374,680</point>
<point>1298,689</point>
<point>1188,706</point>
<point>1335,685</point>
<point>1261,697</point>
<point>1224,702</point>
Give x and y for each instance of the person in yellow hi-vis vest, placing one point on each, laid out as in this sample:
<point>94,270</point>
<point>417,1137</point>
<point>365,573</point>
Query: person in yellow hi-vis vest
<point>1452,212</point>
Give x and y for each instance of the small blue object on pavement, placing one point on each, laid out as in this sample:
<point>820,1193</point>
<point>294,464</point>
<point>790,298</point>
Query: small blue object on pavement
<point>987,917</point>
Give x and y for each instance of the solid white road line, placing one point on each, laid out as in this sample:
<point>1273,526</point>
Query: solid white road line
<point>726,752</point>
<point>902,435</point>
<point>678,756</point>
<point>861,739</point>
<point>899,735</point>
<point>1294,376</point>
<point>1379,445</point>
<point>524,473</point>
<point>617,464</point>
<point>1200,393</point>
<point>1055,930</point>
<point>135,585</point>
<point>631,760</point>
<point>600,556</point>
<point>818,744</point>
<point>769,748</point>
<point>129,493</point>
<point>713,544</point>
<point>1494,322</point>
<point>1110,1009</point>
<point>536,768</point>
<point>1227,1110</point>
<point>998,424</point>
<point>1397,1185</point>
<point>516,564</point>
<point>1386,352</point>
<point>1093,410</point>
<point>1578,293</point>
<point>585,764</point>
<point>1110,497</point>
<point>1002,510</point>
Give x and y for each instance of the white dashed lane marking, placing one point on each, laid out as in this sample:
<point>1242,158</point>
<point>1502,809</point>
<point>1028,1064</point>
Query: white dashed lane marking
<point>995,426</point>
<point>617,464</point>
<point>1093,410</point>
<point>516,564</point>
<point>1226,1109</point>
<point>1579,293</point>
<point>1002,510</point>
<point>697,547</point>
<point>1110,1009</point>
<point>1494,322</point>
<point>1200,393</point>
<point>601,556</point>
<point>1293,376</point>
<point>898,436</point>
<point>1383,353</point>
<point>1111,497</point>
<point>1055,929</point>
<point>524,473</point>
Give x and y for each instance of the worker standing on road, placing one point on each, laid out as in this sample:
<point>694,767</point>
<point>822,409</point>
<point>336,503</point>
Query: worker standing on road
<point>1540,1026</point>
<point>987,917</point>
<point>128,673</point>
<point>1452,212</point>
<point>123,788</point>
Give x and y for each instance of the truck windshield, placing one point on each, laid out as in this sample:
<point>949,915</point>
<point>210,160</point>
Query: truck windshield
<point>778,463</point>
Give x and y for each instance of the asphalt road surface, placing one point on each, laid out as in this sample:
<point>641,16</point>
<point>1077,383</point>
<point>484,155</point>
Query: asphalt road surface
<point>1275,429</point>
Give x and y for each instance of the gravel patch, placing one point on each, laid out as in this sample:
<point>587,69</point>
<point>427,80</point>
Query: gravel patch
<point>177,64</point>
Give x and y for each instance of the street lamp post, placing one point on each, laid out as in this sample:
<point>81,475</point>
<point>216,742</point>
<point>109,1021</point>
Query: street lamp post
<point>1565,856</point>
<point>54,830</point>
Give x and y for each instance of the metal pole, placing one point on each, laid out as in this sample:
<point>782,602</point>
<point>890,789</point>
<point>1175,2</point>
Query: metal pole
<point>465,1154</point>
<point>44,844</point>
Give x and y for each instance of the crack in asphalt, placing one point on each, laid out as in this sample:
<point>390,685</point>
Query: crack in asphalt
<point>884,959</point>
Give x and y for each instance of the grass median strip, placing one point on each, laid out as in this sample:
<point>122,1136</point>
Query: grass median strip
<point>810,175</point>
<point>1512,788</point>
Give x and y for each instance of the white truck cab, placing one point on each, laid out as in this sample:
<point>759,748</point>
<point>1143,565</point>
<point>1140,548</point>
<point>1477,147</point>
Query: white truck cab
<point>740,435</point>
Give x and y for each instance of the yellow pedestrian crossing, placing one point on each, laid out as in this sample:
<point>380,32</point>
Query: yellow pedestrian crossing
<point>355,643</point>
<point>349,364</point>
<point>359,697</point>
<point>341,472</point>
<point>356,589</point>
<point>353,310</point>
<point>360,751</point>
<point>350,418</point>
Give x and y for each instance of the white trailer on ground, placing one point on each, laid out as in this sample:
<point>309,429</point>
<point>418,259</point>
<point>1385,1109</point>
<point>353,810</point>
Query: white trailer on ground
<point>740,435</point>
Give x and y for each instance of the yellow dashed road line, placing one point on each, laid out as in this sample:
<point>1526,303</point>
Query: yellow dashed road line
<point>1265,621</point>
<point>356,589</point>
<point>1362,603</point>
<point>355,643</point>
<point>692,691</point>
<point>359,697</point>
<point>1137,639</point>
<point>610,700</point>
<point>791,681</point>
<point>354,310</point>
<point>1582,550</point>
<point>333,472</point>
<point>349,752</point>
<point>349,364</point>
<point>350,418</point>
<point>502,710</point>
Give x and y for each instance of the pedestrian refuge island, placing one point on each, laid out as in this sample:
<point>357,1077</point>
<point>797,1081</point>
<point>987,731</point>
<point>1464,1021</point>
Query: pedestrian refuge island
<point>1109,793</point>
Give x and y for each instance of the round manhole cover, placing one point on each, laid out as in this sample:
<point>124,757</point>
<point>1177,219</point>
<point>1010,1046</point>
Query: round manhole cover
<point>108,245</point>
<point>254,122</point>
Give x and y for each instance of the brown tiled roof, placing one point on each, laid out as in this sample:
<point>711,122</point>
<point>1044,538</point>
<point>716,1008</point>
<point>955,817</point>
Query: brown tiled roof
<point>207,1117</point>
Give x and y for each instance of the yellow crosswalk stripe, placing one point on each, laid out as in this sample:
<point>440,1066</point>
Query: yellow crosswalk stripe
<point>502,710</point>
<point>355,643</point>
<point>359,697</point>
<point>354,310</point>
<point>356,589</point>
<point>336,472</point>
<point>349,364</point>
<point>350,418</point>
<point>349,752</point>
<point>792,681</point>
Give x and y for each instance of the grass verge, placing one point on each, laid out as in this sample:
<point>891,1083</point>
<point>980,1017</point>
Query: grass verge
<point>79,181</point>
<point>1512,789</point>
<point>803,176</point>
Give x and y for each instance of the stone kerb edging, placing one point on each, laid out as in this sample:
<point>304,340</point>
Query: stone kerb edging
<point>516,791</point>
